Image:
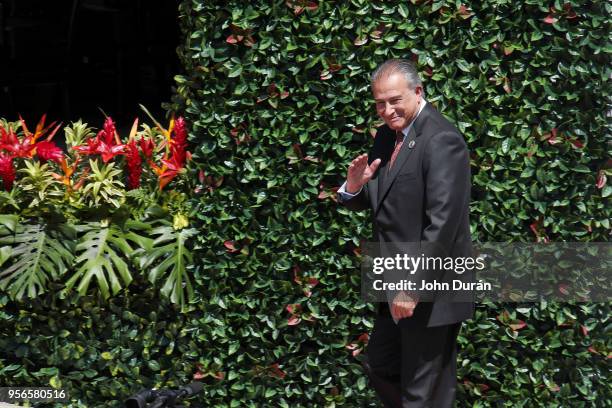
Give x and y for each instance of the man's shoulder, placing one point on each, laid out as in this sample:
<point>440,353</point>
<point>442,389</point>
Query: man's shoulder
<point>431,122</point>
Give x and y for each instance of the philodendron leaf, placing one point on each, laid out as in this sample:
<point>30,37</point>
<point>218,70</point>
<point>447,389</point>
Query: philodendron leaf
<point>168,257</point>
<point>35,254</point>
<point>102,252</point>
<point>9,221</point>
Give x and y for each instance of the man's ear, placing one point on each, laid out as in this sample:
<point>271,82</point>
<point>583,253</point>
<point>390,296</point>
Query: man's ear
<point>418,90</point>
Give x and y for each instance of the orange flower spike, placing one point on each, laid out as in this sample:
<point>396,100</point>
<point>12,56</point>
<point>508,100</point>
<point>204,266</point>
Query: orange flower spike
<point>133,130</point>
<point>54,131</point>
<point>40,128</point>
<point>170,129</point>
<point>81,181</point>
<point>26,132</point>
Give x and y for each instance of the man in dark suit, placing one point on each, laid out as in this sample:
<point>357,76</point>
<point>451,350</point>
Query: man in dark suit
<point>416,181</point>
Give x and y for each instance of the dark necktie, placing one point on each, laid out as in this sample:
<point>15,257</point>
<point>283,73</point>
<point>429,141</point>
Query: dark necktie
<point>399,140</point>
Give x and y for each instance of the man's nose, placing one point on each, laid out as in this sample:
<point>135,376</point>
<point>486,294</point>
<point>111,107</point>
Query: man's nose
<point>388,109</point>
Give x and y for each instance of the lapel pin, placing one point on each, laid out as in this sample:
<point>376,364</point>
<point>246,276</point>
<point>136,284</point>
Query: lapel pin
<point>411,144</point>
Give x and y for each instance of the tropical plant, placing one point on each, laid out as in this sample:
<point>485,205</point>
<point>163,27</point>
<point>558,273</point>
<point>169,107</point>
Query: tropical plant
<point>99,212</point>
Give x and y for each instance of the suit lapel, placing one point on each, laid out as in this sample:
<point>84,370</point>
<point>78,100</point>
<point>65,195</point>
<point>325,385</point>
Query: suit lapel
<point>386,180</point>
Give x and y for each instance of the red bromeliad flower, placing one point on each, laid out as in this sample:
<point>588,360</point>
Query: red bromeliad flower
<point>179,142</point>
<point>176,152</point>
<point>46,150</point>
<point>134,165</point>
<point>106,143</point>
<point>7,171</point>
<point>147,146</point>
<point>169,170</point>
<point>11,143</point>
<point>109,133</point>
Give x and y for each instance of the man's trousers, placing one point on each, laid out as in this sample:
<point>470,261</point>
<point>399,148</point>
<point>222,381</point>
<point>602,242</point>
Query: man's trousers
<point>412,366</point>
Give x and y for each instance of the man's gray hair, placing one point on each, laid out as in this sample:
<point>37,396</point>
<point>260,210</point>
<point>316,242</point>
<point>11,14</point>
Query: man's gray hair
<point>396,65</point>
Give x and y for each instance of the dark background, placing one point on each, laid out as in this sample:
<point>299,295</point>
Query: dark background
<point>68,58</point>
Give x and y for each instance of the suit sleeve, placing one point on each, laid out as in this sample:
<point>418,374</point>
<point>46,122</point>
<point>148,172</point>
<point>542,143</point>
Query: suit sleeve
<point>358,202</point>
<point>446,169</point>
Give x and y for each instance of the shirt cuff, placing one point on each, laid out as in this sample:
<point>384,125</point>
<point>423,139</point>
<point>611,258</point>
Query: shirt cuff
<point>345,194</point>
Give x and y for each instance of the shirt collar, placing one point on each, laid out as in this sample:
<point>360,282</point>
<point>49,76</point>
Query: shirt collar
<point>406,130</point>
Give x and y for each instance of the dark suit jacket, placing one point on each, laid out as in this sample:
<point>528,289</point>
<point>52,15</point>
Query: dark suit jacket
<point>424,199</point>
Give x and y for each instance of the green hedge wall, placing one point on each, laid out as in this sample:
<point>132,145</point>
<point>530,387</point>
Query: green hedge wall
<point>278,95</point>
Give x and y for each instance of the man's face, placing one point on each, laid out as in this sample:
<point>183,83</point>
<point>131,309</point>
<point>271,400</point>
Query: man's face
<point>396,103</point>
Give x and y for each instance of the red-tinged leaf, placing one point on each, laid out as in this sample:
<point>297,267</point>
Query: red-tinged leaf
<point>284,94</point>
<point>218,181</point>
<point>517,325</point>
<point>312,282</point>
<point>293,320</point>
<point>534,228</point>
<point>563,289</point>
<point>231,246</point>
<point>503,317</point>
<point>198,375</point>
<point>298,10</point>
<point>219,375</point>
<point>272,90</point>
<point>356,352</point>
<point>201,176</point>
<point>483,387</point>
<point>585,331</point>
<point>312,6</point>
<point>549,19</point>
<point>358,129</point>
<point>334,67</point>
<point>508,50</point>
<point>276,371</point>
<point>325,75</point>
<point>576,143</point>
<point>464,12</point>
<point>351,346</point>
<point>311,159</point>
<point>364,338</point>
<point>296,274</point>
<point>601,179</point>
<point>570,14</point>
<point>592,350</point>
<point>554,388</point>
<point>307,292</point>
<point>359,41</point>
<point>231,39</point>
<point>298,150</point>
<point>323,195</point>
<point>507,85</point>
<point>249,41</point>
<point>428,71</point>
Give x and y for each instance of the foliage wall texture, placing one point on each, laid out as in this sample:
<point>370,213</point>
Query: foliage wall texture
<point>278,95</point>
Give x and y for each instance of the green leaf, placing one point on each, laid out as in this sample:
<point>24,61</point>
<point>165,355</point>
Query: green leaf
<point>36,254</point>
<point>167,259</point>
<point>102,251</point>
